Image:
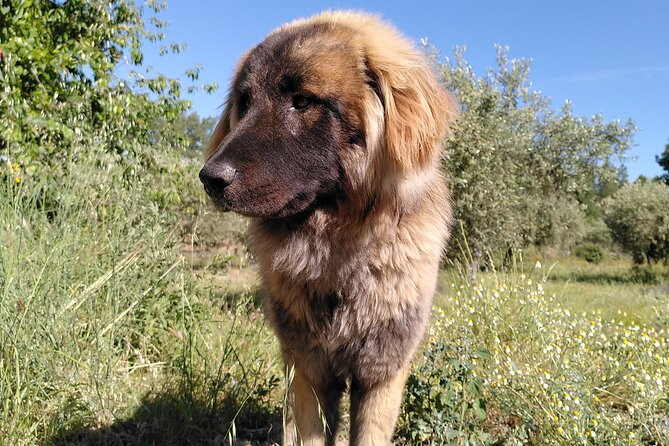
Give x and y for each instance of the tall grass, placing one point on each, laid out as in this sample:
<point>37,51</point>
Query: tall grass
<point>101,315</point>
<point>83,264</point>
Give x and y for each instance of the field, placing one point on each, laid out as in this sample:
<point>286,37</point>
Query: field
<point>130,315</point>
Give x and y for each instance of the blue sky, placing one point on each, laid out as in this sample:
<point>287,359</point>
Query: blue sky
<point>609,57</point>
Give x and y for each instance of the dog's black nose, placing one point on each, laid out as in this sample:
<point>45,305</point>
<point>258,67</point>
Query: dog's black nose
<point>217,177</point>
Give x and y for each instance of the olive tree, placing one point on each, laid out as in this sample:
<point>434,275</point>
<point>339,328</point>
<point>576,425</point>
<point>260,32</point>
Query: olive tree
<point>638,219</point>
<point>520,171</point>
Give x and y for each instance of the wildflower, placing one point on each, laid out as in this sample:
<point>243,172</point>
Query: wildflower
<point>537,264</point>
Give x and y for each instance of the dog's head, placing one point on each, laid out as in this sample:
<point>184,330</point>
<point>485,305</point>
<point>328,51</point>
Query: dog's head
<point>323,109</point>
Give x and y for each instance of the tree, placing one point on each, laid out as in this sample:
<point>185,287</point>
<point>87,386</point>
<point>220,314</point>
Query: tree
<point>638,220</point>
<point>61,91</point>
<point>521,172</point>
<point>187,132</point>
<point>663,161</point>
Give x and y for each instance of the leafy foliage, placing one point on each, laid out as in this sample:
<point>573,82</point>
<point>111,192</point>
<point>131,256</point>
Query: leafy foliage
<point>590,253</point>
<point>520,172</point>
<point>663,161</point>
<point>61,92</point>
<point>193,131</point>
<point>638,219</point>
<point>444,402</point>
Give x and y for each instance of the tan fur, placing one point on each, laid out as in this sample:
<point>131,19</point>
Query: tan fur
<point>417,108</point>
<point>381,262</point>
<point>374,413</point>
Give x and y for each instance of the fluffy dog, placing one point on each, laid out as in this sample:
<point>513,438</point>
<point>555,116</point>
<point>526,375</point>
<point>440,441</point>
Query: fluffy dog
<point>330,141</point>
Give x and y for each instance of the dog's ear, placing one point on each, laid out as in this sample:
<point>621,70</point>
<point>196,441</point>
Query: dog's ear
<point>221,130</point>
<point>417,110</point>
<point>225,124</point>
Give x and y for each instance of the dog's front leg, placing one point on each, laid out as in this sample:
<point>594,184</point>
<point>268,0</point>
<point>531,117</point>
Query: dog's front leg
<point>375,408</point>
<point>312,409</point>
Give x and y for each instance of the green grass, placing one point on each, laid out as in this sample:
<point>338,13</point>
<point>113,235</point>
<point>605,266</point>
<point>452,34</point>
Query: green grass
<point>131,316</point>
<point>111,331</point>
<point>610,287</point>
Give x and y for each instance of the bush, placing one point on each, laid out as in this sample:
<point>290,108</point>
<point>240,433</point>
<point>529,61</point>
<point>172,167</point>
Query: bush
<point>444,402</point>
<point>590,253</point>
<point>638,220</point>
<point>644,274</point>
<point>597,233</point>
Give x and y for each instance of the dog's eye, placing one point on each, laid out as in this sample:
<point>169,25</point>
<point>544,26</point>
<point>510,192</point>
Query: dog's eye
<point>244,103</point>
<point>301,101</point>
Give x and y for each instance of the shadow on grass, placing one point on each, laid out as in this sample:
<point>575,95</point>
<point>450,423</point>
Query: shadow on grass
<point>635,276</point>
<point>230,298</point>
<point>593,277</point>
<point>172,419</point>
<point>198,403</point>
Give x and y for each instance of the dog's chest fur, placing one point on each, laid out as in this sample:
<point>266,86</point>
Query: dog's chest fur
<point>357,295</point>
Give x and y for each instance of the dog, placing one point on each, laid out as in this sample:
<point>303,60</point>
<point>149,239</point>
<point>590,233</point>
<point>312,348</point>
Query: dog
<point>330,142</point>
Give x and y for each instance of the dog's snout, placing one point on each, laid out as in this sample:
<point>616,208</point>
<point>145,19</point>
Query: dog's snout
<point>217,177</point>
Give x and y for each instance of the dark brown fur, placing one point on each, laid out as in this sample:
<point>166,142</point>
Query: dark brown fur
<point>330,141</point>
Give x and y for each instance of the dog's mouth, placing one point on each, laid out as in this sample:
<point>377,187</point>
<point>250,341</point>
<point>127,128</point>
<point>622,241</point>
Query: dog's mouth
<point>268,206</point>
<point>220,204</point>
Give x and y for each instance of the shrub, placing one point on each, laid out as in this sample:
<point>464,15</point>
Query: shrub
<point>597,233</point>
<point>644,274</point>
<point>590,253</point>
<point>638,220</point>
<point>444,401</point>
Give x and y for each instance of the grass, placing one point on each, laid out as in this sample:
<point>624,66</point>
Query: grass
<point>131,316</point>
<point>610,287</point>
<point>583,287</point>
<point>506,363</point>
<point>111,331</point>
